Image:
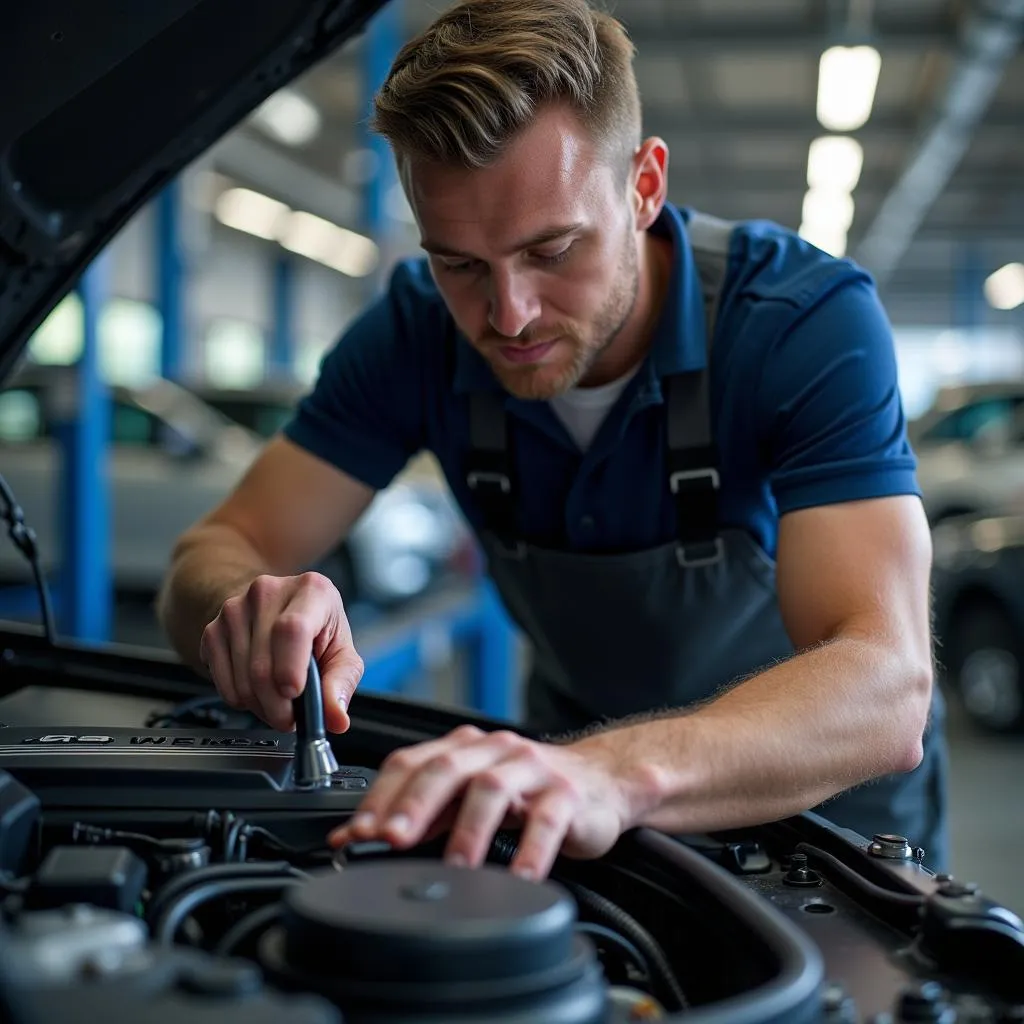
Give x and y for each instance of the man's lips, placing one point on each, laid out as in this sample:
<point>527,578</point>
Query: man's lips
<point>527,353</point>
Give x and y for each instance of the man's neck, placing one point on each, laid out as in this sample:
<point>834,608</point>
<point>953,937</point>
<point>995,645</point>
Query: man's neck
<point>633,341</point>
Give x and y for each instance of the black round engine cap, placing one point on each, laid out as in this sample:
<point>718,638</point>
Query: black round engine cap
<point>424,921</point>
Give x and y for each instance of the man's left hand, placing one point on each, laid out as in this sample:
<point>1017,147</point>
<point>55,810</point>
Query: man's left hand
<point>567,799</point>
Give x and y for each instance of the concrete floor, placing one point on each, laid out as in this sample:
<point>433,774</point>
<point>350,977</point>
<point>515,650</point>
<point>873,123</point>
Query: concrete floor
<point>987,810</point>
<point>987,779</point>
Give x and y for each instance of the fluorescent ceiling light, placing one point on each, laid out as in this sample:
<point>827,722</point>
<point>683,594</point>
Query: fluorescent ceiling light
<point>313,237</point>
<point>289,117</point>
<point>249,211</point>
<point>308,235</point>
<point>847,79</point>
<point>834,162</point>
<point>829,208</point>
<point>827,237</point>
<point>337,247</point>
<point>1005,288</point>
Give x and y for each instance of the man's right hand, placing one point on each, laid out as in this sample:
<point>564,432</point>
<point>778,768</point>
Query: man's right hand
<point>258,647</point>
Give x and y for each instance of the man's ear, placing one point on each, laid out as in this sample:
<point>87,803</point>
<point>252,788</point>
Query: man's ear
<point>649,181</point>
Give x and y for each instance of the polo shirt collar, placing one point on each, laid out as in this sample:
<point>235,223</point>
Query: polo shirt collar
<point>679,343</point>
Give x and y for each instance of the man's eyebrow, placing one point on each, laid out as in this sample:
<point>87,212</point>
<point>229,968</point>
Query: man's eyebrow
<point>540,238</point>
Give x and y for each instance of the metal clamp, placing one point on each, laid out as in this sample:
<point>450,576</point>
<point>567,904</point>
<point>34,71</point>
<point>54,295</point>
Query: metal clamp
<point>487,477</point>
<point>685,475</point>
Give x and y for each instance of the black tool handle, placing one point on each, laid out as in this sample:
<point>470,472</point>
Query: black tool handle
<point>308,707</point>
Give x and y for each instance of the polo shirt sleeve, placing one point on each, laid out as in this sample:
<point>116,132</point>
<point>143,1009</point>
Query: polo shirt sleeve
<point>831,416</point>
<point>365,412</point>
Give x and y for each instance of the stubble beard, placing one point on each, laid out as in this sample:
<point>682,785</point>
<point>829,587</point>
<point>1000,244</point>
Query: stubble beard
<point>545,381</point>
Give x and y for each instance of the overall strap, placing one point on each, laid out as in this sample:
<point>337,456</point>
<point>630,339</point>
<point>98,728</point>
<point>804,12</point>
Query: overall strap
<point>489,466</point>
<point>692,455</point>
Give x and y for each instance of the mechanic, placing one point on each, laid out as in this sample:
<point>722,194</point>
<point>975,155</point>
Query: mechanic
<point>681,443</point>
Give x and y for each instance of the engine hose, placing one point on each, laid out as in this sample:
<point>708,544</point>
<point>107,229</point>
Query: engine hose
<point>169,921</point>
<point>223,831</point>
<point>663,978</point>
<point>234,847</point>
<point>620,942</point>
<point>217,873</point>
<point>247,927</point>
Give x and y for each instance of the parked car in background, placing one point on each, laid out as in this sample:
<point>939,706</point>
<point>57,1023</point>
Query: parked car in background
<point>173,457</point>
<point>979,615</point>
<point>970,449</point>
<point>412,535</point>
<point>263,409</point>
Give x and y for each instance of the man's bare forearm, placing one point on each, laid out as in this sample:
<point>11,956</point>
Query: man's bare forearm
<point>778,743</point>
<point>211,564</point>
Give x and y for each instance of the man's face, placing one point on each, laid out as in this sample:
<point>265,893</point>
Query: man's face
<point>536,256</point>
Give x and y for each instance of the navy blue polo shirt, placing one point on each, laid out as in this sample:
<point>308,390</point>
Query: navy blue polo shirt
<point>804,400</point>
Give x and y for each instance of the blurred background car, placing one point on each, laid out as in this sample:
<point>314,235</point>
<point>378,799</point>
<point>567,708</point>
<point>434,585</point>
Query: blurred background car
<point>970,449</point>
<point>979,615</point>
<point>173,456</point>
<point>263,408</point>
<point>412,536</point>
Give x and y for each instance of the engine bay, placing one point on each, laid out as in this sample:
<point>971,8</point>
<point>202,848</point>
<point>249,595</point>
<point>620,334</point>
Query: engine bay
<point>162,860</point>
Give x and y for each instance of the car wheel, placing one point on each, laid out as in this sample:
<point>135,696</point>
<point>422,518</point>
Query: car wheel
<point>986,667</point>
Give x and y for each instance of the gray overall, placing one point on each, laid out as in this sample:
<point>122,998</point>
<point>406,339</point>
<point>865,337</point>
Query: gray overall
<point>617,634</point>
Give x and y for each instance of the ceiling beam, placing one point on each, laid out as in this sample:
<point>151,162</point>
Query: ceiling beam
<point>674,30</point>
<point>775,37</point>
<point>683,125</point>
<point>266,168</point>
<point>991,36</point>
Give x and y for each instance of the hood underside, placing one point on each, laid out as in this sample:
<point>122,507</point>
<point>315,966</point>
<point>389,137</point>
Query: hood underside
<point>104,102</point>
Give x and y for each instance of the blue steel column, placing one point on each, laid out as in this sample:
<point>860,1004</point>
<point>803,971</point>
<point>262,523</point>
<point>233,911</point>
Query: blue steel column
<point>170,261</point>
<point>86,604</point>
<point>969,292</point>
<point>384,38</point>
<point>281,358</point>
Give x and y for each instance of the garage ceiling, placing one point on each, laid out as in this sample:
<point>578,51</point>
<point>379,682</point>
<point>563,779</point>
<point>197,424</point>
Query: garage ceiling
<point>731,85</point>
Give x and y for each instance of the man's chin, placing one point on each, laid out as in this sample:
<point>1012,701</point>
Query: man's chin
<point>535,383</point>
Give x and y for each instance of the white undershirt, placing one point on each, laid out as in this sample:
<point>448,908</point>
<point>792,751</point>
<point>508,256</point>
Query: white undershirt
<point>583,410</point>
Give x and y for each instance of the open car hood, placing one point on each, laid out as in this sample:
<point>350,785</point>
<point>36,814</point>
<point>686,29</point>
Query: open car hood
<point>105,102</point>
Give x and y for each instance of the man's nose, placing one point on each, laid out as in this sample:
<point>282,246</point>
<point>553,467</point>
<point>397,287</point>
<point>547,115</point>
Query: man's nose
<point>514,304</point>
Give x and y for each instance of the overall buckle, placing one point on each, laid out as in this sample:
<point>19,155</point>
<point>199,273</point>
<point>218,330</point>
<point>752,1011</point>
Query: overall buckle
<point>495,488</point>
<point>697,553</point>
<point>691,476</point>
<point>701,553</point>
<point>483,476</point>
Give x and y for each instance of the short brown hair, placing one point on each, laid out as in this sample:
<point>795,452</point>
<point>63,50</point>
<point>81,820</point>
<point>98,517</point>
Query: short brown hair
<point>460,91</point>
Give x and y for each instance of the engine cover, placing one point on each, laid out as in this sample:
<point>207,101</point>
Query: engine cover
<point>168,769</point>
